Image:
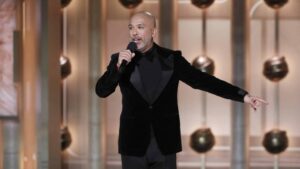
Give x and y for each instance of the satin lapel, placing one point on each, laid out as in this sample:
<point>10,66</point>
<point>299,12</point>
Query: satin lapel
<point>167,71</point>
<point>136,81</point>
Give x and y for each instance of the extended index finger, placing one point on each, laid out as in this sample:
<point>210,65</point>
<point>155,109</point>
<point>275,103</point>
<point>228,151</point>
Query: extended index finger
<point>262,100</point>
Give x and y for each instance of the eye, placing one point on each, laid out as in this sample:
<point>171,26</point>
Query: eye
<point>141,27</point>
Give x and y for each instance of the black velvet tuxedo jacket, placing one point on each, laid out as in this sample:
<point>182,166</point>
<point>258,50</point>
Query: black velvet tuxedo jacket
<point>139,113</point>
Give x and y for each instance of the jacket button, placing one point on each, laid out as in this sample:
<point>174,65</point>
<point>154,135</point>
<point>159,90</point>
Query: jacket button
<point>150,107</point>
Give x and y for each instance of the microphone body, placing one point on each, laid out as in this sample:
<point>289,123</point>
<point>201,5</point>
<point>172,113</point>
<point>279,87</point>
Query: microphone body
<point>132,47</point>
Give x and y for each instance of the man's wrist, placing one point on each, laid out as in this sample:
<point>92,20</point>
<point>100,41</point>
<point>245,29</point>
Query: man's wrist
<point>247,98</point>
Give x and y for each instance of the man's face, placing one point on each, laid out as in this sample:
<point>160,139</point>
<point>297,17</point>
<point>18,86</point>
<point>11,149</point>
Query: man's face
<point>142,30</point>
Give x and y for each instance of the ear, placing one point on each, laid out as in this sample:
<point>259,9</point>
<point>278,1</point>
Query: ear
<point>154,32</point>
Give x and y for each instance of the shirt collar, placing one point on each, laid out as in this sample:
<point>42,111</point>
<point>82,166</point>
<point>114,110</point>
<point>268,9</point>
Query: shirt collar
<point>149,54</point>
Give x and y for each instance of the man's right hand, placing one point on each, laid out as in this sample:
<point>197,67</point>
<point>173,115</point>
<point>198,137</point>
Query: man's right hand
<point>125,55</point>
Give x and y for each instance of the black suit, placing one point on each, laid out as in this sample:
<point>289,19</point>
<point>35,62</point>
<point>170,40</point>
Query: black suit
<point>140,113</point>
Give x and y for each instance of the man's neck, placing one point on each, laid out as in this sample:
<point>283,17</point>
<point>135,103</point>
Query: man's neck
<point>148,49</point>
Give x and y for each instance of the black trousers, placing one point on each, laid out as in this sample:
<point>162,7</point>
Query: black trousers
<point>153,159</point>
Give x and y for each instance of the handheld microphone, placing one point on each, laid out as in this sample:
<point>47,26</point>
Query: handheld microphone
<point>132,47</point>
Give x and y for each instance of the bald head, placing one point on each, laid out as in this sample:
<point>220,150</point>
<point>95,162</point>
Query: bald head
<point>147,16</point>
<point>142,30</point>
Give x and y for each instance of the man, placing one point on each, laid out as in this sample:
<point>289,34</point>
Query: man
<point>149,134</point>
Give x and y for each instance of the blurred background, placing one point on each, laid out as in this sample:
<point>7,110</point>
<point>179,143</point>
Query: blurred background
<point>53,52</point>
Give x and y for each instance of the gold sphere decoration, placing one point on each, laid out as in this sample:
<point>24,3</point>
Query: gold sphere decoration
<point>130,4</point>
<point>276,4</point>
<point>205,64</point>
<point>65,137</point>
<point>275,68</point>
<point>202,3</point>
<point>275,141</point>
<point>65,3</point>
<point>202,140</point>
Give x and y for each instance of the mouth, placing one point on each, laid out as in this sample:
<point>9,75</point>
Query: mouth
<point>137,40</point>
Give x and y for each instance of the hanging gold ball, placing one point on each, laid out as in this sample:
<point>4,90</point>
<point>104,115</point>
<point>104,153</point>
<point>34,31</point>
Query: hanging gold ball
<point>202,140</point>
<point>130,4</point>
<point>275,141</point>
<point>65,137</point>
<point>202,3</point>
<point>205,64</point>
<point>275,68</point>
<point>276,4</point>
<point>65,66</point>
<point>64,3</point>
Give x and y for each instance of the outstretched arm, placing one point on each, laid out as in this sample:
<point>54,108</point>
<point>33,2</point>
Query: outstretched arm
<point>206,82</point>
<point>254,102</point>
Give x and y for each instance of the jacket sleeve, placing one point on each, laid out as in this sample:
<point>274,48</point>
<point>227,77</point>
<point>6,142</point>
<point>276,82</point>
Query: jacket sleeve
<point>203,81</point>
<point>108,82</point>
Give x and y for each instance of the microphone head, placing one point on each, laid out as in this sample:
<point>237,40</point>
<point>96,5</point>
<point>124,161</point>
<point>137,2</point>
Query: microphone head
<point>132,46</point>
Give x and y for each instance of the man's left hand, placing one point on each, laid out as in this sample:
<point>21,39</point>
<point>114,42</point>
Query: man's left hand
<point>255,102</point>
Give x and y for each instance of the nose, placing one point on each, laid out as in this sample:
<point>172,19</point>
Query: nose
<point>133,31</point>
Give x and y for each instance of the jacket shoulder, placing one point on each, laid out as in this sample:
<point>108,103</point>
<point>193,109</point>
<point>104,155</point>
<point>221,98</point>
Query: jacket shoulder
<point>166,51</point>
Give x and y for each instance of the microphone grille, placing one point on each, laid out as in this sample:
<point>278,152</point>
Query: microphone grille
<point>132,46</point>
